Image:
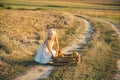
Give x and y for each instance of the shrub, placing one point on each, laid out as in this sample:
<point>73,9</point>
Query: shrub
<point>1,5</point>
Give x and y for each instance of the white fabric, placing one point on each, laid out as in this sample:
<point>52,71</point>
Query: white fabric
<point>43,55</point>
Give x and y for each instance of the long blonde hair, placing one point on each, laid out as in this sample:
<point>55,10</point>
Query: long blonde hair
<point>52,31</point>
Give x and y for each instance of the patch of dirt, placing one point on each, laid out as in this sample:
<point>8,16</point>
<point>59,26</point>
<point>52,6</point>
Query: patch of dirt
<point>37,72</point>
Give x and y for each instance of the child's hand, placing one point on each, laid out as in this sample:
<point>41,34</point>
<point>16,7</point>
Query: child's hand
<point>54,55</point>
<point>58,52</point>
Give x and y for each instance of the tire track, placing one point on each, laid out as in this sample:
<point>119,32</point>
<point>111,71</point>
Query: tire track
<point>81,39</point>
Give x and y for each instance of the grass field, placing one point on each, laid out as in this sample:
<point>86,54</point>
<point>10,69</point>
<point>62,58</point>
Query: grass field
<point>55,5</point>
<point>23,27</point>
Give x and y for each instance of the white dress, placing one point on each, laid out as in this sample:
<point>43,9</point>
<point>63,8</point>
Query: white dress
<point>43,55</point>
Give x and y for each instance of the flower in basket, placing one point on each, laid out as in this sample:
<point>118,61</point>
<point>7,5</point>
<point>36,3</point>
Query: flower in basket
<point>60,53</point>
<point>75,54</point>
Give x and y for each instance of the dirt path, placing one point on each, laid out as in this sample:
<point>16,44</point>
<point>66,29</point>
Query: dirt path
<point>117,76</point>
<point>36,73</point>
<point>81,39</point>
<point>43,71</point>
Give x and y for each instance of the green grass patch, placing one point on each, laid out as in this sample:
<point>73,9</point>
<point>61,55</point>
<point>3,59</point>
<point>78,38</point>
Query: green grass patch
<point>115,18</point>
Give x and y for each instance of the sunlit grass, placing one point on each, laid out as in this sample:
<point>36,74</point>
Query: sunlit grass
<point>115,19</point>
<point>55,5</point>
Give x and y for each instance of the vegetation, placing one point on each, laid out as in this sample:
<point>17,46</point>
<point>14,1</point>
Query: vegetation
<point>23,28</point>
<point>56,5</point>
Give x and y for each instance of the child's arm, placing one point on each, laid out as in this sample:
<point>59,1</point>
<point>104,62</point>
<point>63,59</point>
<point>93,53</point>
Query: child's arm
<point>56,44</point>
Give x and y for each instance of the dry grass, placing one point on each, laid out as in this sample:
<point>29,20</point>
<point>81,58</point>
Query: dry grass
<point>22,33</point>
<point>20,29</point>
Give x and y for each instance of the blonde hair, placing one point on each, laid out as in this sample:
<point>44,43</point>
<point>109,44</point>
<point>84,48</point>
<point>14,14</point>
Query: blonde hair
<point>52,31</point>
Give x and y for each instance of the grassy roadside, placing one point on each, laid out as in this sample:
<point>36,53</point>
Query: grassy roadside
<point>114,19</point>
<point>74,31</point>
<point>98,59</point>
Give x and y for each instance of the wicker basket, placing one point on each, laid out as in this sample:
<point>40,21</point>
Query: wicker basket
<point>66,60</point>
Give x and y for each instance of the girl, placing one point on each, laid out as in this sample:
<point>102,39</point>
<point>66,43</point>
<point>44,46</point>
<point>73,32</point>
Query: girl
<point>45,52</point>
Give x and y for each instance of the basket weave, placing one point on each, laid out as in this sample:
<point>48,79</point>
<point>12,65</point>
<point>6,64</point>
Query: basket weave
<point>66,60</point>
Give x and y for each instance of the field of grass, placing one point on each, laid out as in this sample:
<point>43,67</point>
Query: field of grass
<point>23,26</point>
<point>54,5</point>
<point>22,33</point>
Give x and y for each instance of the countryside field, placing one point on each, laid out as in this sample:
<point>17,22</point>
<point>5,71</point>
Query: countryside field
<point>23,27</point>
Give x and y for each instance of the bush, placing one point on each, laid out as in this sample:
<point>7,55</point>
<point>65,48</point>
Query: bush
<point>8,7</point>
<point>1,5</point>
<point>22,9</point>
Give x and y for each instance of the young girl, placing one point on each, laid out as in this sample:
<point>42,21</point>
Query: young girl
<point>45,51</point>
